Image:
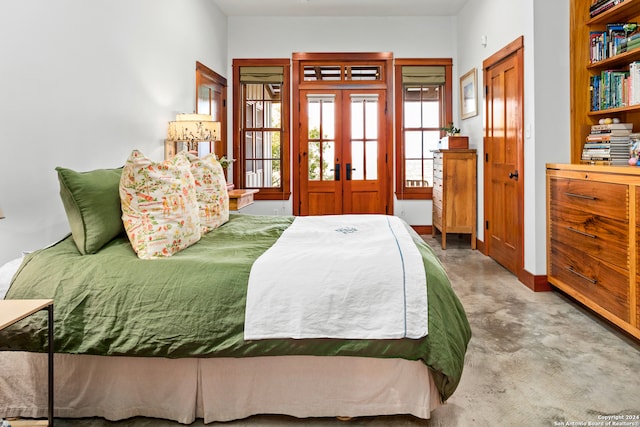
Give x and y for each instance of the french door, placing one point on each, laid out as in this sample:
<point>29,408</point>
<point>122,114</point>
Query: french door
<point>343,151</point>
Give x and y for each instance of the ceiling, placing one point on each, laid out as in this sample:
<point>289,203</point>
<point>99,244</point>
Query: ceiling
<point>340,7</point>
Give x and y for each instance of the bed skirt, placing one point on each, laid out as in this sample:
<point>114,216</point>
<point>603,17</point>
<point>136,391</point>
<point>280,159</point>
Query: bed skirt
<point>215,389</point>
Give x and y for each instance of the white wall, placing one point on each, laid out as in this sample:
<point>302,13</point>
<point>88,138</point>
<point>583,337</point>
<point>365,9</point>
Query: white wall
<point>82,84</point>
<point>405,37</point>
<point>544,25</point>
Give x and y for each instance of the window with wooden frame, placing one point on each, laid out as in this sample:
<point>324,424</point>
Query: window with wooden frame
<point>261,126</point>
<point>423,106</point>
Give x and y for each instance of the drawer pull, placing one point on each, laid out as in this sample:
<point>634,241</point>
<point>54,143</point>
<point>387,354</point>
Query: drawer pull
<point>589,279</point>
<point>593,236</point>
<point>580,196</point>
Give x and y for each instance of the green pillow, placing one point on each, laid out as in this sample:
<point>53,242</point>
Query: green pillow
<point>92,203</point>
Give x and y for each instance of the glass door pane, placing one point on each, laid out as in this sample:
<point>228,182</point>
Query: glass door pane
<point>321,137</point>
<point>364,137</point>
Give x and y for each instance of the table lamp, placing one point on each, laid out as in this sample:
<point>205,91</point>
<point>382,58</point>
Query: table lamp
<point>189,130</point>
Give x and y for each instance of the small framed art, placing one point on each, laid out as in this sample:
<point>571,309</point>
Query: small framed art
<point>469,94</point>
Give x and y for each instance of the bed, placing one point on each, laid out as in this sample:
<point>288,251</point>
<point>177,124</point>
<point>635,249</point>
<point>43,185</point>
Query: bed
<point>165,338</point>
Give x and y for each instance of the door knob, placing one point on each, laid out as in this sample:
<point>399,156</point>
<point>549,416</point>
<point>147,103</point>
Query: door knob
<point>513,175</point>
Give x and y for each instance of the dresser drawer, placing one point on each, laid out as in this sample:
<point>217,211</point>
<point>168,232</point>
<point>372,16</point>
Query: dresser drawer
<point>437,217</point>
<point>602,198</point>
<point>602,237</point>
<point>604,284</point>
<point>437,195</point>
<point>437,158</point>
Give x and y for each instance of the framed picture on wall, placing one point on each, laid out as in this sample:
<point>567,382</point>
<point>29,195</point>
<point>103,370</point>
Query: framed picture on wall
<point>469,94</point>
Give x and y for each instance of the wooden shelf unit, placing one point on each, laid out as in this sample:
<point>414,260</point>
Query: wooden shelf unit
<point>581,69</point>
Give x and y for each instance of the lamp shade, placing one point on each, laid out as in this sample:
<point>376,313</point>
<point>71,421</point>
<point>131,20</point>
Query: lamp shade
<point>193,128</point>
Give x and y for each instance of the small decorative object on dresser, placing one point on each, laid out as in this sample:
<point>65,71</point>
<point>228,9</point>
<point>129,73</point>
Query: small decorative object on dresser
<point>448,142</point>
<point>454,193</point>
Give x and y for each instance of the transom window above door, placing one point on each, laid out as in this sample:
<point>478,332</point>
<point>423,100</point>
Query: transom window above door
<point>342,72</point>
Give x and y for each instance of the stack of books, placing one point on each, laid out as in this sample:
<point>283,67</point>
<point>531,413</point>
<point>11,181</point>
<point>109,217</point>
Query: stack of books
<point>608,144</point>
<point>599,6</point>
<point>628,44</point>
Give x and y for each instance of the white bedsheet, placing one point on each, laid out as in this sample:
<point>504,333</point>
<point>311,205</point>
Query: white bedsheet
<point>7,271</point>
<point>342,276</point>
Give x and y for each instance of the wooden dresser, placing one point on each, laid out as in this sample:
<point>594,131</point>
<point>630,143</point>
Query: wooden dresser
<point>593,238</point>
<point>454,193</point>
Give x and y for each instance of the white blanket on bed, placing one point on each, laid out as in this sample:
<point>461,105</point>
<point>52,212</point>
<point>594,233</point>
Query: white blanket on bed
<point>342,276</point>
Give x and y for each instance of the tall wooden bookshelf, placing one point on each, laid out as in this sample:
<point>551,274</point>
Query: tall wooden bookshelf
<point>581,70</point>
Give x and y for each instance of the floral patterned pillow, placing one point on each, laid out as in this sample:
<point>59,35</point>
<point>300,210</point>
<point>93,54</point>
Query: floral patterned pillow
<point>159,205</point>
<point>211,191</point>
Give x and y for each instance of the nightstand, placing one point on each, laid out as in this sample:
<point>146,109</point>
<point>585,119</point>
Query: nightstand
<point>238,198</point>
<point>12,311</point>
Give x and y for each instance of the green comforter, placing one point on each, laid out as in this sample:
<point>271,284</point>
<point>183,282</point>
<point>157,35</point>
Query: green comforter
<point>192,304</point>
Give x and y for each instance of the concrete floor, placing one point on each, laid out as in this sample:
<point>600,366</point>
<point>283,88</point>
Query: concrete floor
<point>535,359</point>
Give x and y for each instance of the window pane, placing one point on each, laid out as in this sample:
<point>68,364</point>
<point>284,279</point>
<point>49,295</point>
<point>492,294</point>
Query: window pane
<point>430,114</point>
<point>328,114</point>
<point>363,72</point>
<point>372,160</point>
<point>413,144</point>
<point>314,161</point>
<point>428,172</point>
<point>259,106</point>
<point>248,115</point>
<point>276,177</point>
<point>413,173</point>
<point>357,120</point>
<point>357,160</point>
<point>430,138</point>
<point>371,112</point>
<point>249,165</point>
<point>248,145</point>
<point>274,139</point>
<point>274,118</point>
<point>328,161</point>
<point>412,114</point>
<point>322,73</point>
<point>313,109</point>
<point>258,146</point>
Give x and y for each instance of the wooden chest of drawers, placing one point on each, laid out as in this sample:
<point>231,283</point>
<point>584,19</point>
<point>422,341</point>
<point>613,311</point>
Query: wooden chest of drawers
<point>454,193</point>
<point>593,242</point>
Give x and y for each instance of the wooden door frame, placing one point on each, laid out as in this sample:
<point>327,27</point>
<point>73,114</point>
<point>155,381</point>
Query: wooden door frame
<point>298,60</point>
<point>516,48</point>
<point>205,76</point>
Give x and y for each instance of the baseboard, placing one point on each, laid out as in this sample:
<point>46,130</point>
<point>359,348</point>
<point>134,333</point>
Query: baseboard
<point>535,283</point>
<point>422,229</point>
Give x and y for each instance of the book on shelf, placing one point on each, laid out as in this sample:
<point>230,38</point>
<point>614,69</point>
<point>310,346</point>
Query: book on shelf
<point>611,127</point>
<point>609,89</point>
<point>619,37</point>
<point>608,143</point>
<point>602,6</point>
